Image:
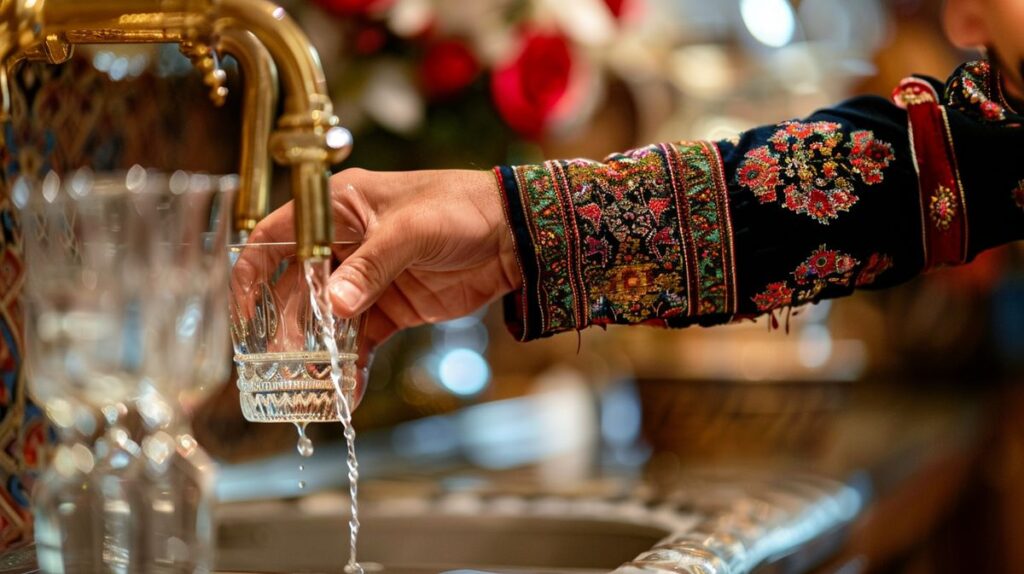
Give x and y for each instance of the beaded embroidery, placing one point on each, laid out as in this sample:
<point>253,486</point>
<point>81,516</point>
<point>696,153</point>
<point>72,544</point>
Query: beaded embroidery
<point>548,230</point>
<point>942,208</point>
<point>825,264</point>
<point>971,87</point>
<point>644,237</point>
<point>775,296</point>
<point>824,267</point>
<point>912,93</point>
<point>814,167</point>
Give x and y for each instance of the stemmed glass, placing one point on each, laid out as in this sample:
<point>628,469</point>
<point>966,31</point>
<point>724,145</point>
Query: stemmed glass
<point>125,306</point>
<point>188,263</point>
<point>85,341</point>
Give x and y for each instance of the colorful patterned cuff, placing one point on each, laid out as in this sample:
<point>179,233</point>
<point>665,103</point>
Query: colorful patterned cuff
<point>643,238</point>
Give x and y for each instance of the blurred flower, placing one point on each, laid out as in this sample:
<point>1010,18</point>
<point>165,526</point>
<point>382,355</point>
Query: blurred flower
<point>390,97</point>
<point>448,66</point>
<point>528,88</point>
<point>411,18</point>
<point>585,22</point>
<point>370,40</point>
<point>353,7</point>
<point>618,7</point>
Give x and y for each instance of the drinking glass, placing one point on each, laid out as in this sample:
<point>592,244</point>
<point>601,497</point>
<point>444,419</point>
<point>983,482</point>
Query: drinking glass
<point>125,296</point>
<point>86,333</point>
<point>284,369</point>
<point>296,359</point>
<point>188,271</point>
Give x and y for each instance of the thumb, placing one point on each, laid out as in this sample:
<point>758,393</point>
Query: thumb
<point>365,274</point>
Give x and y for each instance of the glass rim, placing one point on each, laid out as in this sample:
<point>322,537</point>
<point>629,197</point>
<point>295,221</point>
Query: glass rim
<point>287,243</point>
<point>83,184</point>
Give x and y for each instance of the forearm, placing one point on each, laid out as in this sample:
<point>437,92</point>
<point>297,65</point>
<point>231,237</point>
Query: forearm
<point>707,232</point>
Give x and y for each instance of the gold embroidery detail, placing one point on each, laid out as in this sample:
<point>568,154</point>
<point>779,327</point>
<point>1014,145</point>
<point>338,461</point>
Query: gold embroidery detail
<point>943,208</point>
<point>913,95</point>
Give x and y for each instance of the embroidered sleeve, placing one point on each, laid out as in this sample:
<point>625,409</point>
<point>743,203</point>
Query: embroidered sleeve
<point>643,237</point>
<point>710,232</point>
<point>823,206</point>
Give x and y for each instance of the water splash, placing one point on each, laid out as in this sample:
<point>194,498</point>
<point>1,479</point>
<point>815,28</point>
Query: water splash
<point>317,273</point>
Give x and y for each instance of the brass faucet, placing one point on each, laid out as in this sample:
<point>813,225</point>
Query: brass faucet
<point>265,41</point>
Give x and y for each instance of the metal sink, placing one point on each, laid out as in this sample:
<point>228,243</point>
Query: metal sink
<point>710,525</point>
<point>423,543</point>
<point>724,524</point>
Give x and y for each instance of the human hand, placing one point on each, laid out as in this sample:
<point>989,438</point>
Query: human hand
<point>435,247</point>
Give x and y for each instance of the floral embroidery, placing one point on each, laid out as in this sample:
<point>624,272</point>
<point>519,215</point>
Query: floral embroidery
<point>825,264</point>
<point>971,89</point>
<point>942,208</point>
<point>644,237</point>
<point>876,265</point>
<point>775,295</point>
<point>869,156</point>
<point>1018,194</point>
<point>760,173</point>
<point>815,169</point>
<point>824,267</point>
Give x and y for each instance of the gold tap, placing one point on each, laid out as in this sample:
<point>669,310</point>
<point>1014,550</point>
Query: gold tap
<point>259,101</point>
<point>307,137</point>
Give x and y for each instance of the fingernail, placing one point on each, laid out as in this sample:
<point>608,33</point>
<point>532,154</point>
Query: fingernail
<point>346,292</point>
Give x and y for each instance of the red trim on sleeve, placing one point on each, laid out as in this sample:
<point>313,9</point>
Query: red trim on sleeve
<point>943,210</point>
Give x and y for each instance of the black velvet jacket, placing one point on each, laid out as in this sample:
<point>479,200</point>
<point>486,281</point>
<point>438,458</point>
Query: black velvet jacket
<point>863,195</point>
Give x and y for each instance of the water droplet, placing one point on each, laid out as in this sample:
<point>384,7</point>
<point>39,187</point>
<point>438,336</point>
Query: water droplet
<point>301,468</point>
<point>304,446</point>
<point>302,484</point>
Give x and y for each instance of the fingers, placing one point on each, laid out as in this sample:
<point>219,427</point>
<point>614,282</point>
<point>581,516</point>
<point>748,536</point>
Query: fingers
<point>275,234</point>
<point>364,275</point>
<point>277,227</point>
<point>266,247</point>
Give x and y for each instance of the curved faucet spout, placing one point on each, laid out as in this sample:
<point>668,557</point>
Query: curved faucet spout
<point>308,137</point>
<point>259,102</point>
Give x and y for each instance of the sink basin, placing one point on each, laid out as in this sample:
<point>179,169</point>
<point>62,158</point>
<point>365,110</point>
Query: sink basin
<point>716,523</point>
<point>432,543</point>
<point>712,524</point>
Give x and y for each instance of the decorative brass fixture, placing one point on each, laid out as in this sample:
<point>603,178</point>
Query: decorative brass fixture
<point>265,41</point>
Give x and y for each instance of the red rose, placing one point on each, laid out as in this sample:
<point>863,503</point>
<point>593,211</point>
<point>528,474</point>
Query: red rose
<point>447,67</point>
<point>529,87</point>
<point>353,7</point>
